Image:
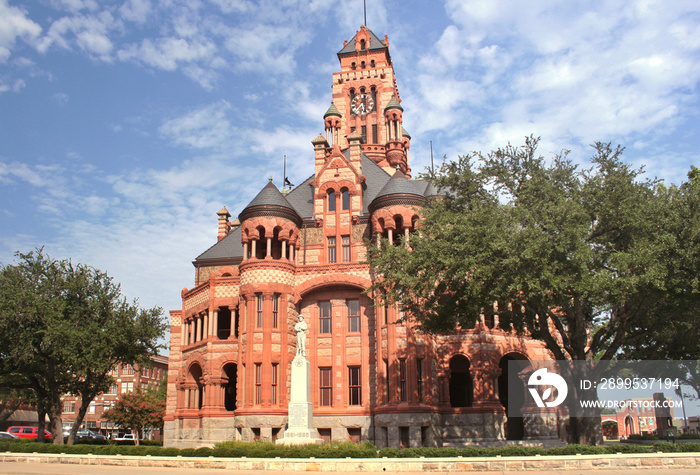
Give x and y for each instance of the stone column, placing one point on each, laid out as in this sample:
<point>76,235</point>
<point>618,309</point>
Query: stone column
<point>268,251</point>
<point>284,249</point>
<point>215,324</point>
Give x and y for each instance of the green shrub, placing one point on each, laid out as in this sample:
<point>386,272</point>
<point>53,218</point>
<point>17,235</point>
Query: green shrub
<point>688,436</point>
<point>643,437</point>
<point>629,449</point>
<point>573,449</point>
<point>511,451</point>
<point>670,447</point>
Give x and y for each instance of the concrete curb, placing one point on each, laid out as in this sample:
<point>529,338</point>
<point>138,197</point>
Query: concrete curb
<point>659,461</point>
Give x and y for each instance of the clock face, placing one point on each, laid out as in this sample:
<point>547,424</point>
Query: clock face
<point>362,104</point>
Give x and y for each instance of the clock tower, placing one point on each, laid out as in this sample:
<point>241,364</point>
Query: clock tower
<point>366,101</point>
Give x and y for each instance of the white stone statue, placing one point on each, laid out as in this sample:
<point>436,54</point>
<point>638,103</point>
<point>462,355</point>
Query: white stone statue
<point>301,327</point>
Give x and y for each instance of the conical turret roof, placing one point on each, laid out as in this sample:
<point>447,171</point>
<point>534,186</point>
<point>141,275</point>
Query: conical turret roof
<point>269,202</point>
<point>332,110</point>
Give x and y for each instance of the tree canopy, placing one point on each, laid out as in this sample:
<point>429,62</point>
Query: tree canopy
<point>589,260</point>
<point>138,410</point>
<point>63,328</point>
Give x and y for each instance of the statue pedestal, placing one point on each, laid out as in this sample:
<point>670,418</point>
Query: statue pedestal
<point>300,428</point>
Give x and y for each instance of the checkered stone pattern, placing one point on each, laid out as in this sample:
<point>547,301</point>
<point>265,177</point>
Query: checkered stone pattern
<point>197,299</point>
<point>300,279</point>
<point>223,291</point>
<point>261,276</point>
<point>176,321</point>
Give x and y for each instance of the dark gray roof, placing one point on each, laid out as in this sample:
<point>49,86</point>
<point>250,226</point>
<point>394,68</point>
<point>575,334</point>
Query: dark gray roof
<point>399,185</point>
<point>374,43</point>
<point>375,179</point>
<point>228,247</point>
<point>302,198</point>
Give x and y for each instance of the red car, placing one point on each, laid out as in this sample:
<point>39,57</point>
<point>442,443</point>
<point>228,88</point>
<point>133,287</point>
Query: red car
<point>26,432</point>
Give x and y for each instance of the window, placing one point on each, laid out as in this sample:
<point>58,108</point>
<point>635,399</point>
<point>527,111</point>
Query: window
<point>386,381</point>
<point>129,370</point>
<point>331,250</point>
<point>259,300</point>
<point>419,378</point>
<point>68,406</point>
<point>404,439</point>
<point>325,326</point>
<point>345,199</point>
<point>127,388</point>
<point>403,393</point>
<point>275,309</point>
<point>353,315</point>
<point>112,389</point>
<point>258,383</point>
<point>326,386</point>
<point>375,138</point>
<point>325,434</point>
<point>346,248</point>
<point>364,134</point>
<point>331,200</point>
<point>274,383</point>
<point>355,386</point>
<point>362,44</point>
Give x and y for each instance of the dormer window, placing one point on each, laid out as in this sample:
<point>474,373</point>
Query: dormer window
<point>362,44</point>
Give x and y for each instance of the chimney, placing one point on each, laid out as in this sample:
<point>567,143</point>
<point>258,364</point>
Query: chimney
<point>224,225</point>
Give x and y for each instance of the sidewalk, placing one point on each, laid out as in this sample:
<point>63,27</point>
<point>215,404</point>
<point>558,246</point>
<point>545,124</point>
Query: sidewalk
<point>65,463</point>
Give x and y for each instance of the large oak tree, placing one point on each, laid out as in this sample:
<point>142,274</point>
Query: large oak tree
<point>63,328</point>
<point>579,258</point>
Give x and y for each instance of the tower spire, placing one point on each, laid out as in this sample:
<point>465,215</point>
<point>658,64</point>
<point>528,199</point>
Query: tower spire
<point>365,4</point>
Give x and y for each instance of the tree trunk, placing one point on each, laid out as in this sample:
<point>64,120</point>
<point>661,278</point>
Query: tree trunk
<point>54,411</point>
<point>84,404</point>
<point>585,430</point>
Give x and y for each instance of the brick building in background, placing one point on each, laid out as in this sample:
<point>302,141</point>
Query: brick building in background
<point>303,252</point>
<point>128,379</point>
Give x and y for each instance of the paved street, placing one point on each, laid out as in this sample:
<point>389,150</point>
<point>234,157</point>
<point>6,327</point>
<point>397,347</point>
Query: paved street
<point>17,468</point>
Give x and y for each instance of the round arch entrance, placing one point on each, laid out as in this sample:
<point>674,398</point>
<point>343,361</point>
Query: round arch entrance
<point>461,383</point>
<point>512,397</point>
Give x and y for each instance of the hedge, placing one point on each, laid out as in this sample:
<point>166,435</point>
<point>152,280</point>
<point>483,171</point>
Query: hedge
<point>233,449</point>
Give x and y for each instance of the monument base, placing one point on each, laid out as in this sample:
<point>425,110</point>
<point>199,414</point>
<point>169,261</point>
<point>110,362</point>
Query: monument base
<point>300,437</point>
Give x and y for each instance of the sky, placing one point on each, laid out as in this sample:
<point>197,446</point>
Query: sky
<point>126,125</point>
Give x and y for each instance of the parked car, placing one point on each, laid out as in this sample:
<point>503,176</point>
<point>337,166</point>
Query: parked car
<point>7,435</point>
<point>27,432</point>
<point>125,438</point>
<point>84,434</point>
<point>87,434</point>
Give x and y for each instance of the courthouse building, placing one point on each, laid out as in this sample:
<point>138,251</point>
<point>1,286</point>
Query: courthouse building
<point>302,252</point>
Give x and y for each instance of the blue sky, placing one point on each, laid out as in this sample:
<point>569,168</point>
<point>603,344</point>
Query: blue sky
<point>126,125</point>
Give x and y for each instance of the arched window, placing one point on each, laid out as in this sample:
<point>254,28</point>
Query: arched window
<point>461,384</point>
<point>363,65</point>
<point>362,44</point>
<point>345,198</point>
<point>371,63</point>
<point>331,200</point>
<point>261,246</point>
<point>230,371</point>
<point>353,65</point>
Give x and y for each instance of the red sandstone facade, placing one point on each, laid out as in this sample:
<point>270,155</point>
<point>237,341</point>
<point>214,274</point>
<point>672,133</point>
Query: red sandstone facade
<point>303,252</point>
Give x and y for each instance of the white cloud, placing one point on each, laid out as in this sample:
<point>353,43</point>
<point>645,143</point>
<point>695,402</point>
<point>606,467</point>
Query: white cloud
<point>205,127</point>
<point>136,10</point>
<point>14,24</point>
<point>168,53</point>
<point>90,33</point>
